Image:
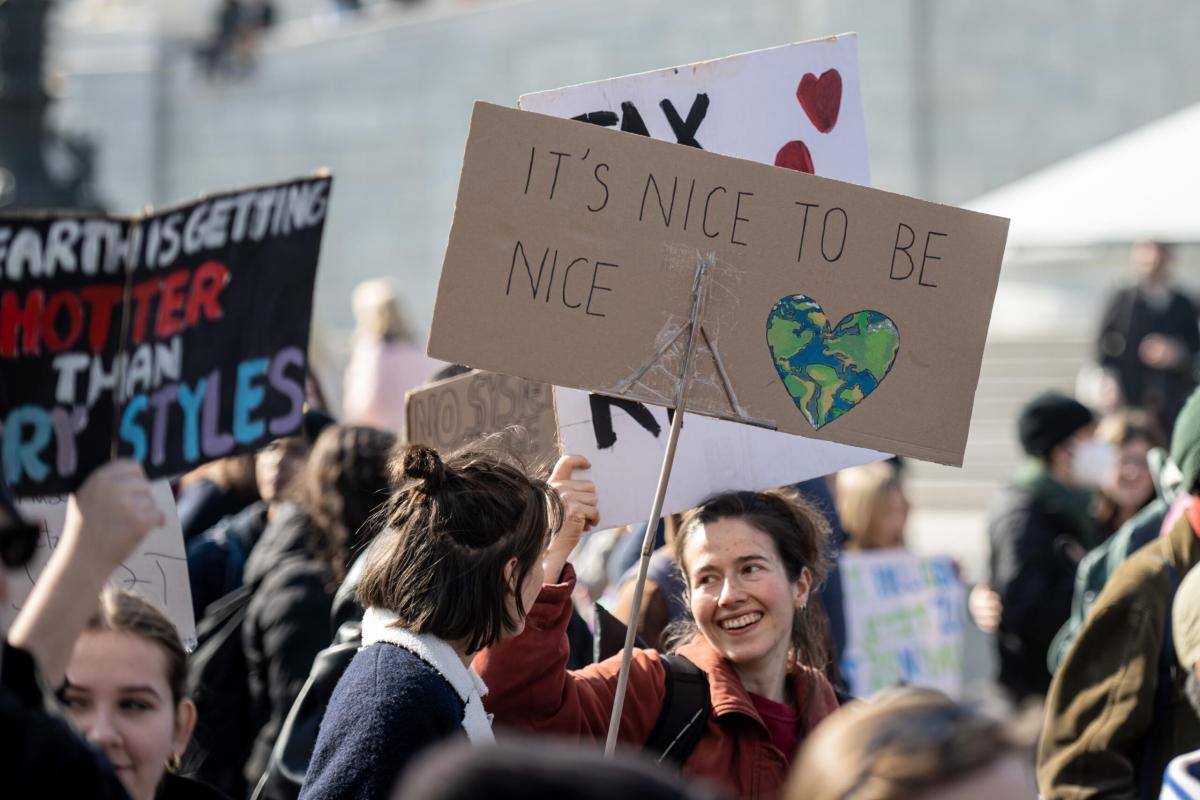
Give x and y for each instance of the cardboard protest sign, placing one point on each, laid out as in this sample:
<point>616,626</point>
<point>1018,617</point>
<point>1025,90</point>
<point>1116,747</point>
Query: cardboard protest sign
<point>904,622</point>
<point>796,99</point>
<point>624,439</point>
<point>181,335</point>
<point>834,311</point>
<point>454,412</point>
<point>157,569</point>
<point>798,106</point>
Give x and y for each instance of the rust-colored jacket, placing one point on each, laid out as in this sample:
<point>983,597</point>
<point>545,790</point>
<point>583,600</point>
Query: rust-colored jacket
<point>530,688</point>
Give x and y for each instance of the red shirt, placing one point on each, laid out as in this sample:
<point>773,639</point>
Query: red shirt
<point>781,721</point>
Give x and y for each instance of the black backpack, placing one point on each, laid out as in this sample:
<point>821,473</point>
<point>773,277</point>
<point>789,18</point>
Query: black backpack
<point>217,685</point>
<point>686,704</point>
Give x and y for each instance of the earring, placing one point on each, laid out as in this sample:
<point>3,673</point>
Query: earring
<point>174,763</point>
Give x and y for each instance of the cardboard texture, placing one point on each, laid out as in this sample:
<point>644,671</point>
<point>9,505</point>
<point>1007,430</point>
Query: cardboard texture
<point>572,259</point>
<point>449,414</point>
<point>709,105</point>
<point>157,569</point>
<point>904,622</point>
<point>624,442</point>
<point>761,106</point>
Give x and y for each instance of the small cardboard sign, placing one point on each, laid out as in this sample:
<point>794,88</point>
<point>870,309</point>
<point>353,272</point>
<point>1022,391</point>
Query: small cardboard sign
<point>457,411</point>
<point>157,569</point>
<point>904,622</point>
<point>624,439</point>
<point>180,334</point>
<point>834,311</point>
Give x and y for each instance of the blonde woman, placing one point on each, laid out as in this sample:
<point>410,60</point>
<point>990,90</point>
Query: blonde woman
<point>872,506</point>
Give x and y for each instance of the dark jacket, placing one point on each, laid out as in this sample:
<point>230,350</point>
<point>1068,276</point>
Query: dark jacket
<point>1111,725</point>
<point>286,625</point>
<point>388,706</point>
<point>1128,319</point>
<point>216,559</point>
<point>203,504</point>
<point>42,756</point>
<point>179,787</point>
<point>1035,549</point>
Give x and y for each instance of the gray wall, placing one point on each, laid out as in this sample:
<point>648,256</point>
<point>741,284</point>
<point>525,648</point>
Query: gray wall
<point>960,96</point>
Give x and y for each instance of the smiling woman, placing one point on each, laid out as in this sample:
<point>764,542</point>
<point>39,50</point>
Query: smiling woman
<point>750,562</point>
<point>124,691</point>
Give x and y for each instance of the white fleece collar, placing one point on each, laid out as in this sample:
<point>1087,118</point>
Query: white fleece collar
<point>377,626</point>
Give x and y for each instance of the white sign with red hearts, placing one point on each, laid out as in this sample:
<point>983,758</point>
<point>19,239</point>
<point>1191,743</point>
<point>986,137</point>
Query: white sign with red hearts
<point>796,106</point>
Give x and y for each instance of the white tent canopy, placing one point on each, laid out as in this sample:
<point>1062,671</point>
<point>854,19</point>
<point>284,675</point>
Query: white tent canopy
<point>1144,184</point>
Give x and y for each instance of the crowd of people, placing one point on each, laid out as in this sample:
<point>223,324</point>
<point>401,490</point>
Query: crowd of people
<point>377,619</point>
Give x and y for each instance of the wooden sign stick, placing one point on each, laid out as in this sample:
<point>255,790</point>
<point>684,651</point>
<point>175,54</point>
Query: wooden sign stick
<point>699,293</point>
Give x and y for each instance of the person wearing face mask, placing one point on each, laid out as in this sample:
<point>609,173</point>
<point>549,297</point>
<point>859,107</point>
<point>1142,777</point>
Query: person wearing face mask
<point>1117,710</point>
<point>1040,526</point>
<point>125,693</point>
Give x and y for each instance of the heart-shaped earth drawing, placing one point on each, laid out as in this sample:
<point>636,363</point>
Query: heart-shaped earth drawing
<point>821,98</point>
<point>829,371</point>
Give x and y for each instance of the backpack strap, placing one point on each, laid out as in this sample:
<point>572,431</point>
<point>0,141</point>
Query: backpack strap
<point>684,714</point>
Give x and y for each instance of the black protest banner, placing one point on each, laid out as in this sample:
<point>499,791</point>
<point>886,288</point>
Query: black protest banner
<point>180,335</point>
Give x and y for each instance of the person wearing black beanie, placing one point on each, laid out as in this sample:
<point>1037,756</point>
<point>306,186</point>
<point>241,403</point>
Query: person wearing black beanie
<point>1039,527</point>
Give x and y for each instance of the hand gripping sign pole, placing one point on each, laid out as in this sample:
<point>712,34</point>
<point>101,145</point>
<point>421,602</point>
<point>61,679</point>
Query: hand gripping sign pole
<point>699,292</point>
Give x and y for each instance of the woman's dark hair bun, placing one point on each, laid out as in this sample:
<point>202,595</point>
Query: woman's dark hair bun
<point>421,463</point>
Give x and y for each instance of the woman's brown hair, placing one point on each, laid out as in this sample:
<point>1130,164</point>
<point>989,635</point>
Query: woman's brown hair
<point>801,536</point>
<point>123,611</point>
<point>451,527</point>
<point>343,483</point>
<point>896,745</point>
<point>1119,429</point>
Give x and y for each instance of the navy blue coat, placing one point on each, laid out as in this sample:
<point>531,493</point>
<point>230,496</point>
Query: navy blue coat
<point>388,706</point>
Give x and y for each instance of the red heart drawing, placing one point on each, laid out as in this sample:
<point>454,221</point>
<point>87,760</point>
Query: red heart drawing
<point>795,155</point>
<point>821,98</point>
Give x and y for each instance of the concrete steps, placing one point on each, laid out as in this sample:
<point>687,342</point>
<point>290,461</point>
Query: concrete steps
<point>1013,371</point>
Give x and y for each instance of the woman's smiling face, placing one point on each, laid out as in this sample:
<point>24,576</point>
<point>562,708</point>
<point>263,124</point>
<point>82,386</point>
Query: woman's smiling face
<point>741,596</point>
<point>117,695</point>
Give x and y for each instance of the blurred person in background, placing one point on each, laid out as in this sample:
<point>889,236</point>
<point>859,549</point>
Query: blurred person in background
<point>386,360</point>
<point>911,743</point>
<point>213,491</point>
<point>1039,528</point>
<point>1149,342</point>
<point>110,513</point>
<point>125,693</point>
<point>1117,710</point>
<point>298,565</point>
<point>664,598</point>
<point>1129,486</point>
<point>217,558</point>
<point>872,506</point>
